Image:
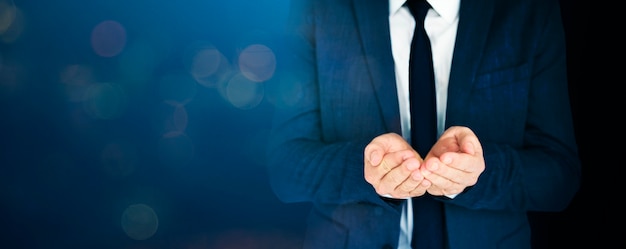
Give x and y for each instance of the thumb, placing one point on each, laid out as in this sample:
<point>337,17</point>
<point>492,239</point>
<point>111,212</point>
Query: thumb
<point>373,154</point>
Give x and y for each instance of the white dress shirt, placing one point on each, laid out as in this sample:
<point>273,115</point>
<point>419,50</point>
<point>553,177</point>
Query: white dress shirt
<point>441,24</point>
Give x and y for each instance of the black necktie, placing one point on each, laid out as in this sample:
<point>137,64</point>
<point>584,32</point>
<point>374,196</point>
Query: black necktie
<point>421,83</point>
<point>428,231</point>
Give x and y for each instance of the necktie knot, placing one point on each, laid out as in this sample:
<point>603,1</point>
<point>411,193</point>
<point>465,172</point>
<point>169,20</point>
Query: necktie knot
<point>418,8</point>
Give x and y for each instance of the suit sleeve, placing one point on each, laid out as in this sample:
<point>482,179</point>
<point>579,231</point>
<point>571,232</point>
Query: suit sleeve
<point>303,165</point>
<point>534,166</point>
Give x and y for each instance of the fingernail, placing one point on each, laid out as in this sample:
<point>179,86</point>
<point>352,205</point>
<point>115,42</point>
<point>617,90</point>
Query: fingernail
<point>417,176</point>
<point>433,166</point>
<point>470,149</point>
<point>375,158</point>
<point>412,165</point>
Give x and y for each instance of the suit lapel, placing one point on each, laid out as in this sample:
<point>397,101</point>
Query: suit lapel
<point>373,22</point>
<point>373,25</point>
<point>474,21</point>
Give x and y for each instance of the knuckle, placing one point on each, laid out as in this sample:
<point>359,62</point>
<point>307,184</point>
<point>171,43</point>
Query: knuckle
<point>405,188</point>
<point>473,181</point>
<point>370,178</point>
<point>453,191</point>
<point>394,178</point>
<point>384,165</point>
<point>418,192</point>
<point>384,189</point>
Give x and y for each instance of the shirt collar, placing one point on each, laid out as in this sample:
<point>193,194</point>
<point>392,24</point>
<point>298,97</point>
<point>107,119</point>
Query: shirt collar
<point>447,9</point>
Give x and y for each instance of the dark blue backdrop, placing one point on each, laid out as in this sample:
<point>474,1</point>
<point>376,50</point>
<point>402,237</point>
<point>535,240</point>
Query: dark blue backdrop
<point>142,124</point>
<point>139,124</point>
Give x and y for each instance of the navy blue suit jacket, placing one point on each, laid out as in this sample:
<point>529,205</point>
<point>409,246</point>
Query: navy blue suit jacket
<point>336,91</point>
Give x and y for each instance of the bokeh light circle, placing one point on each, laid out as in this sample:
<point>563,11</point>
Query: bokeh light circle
<point>206,63</point>
<point>257,62</point>
<point>108,38</point>
<point>13,24</point>
<point>76,81</point>
<point>8,12</point>
<point>243,93</point>
<point>139,221</point>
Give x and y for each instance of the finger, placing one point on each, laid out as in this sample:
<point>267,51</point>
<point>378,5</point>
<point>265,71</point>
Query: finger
<point>435,168</point>
<point>467,140</point>
<point>443,145</point>
<point>469,147</point>
<point>395,159</point>
<point>395,168</point>
<point>433,177</point>
<point>391,182</point>
<point>373,153</point>
<point>389,142</point>
<point>447,180</point>
<point>442,185</point>
<point>412,177</point>
<point>374,174</point>
<point>421,189</point>
<point>435,190</point>
<point>462,163</point>
<point>442,171</point>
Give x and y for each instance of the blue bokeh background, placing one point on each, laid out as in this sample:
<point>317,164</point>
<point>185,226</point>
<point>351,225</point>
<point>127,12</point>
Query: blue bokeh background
<point>142,124</point>
<point>139,124</point>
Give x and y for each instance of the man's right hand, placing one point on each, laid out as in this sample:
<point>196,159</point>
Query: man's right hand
<point>392,167</point>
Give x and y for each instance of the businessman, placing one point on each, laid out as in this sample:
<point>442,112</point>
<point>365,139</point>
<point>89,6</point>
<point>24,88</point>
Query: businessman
<point>347,133</point>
